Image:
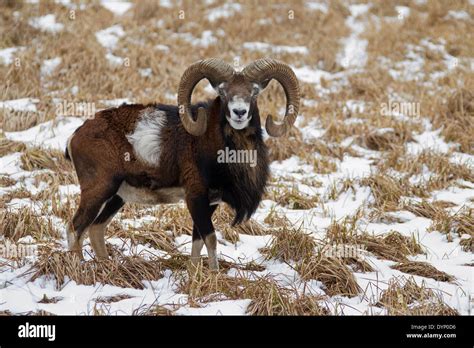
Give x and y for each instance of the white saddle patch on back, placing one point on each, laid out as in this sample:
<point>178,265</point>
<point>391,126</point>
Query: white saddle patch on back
<point>146,138</point>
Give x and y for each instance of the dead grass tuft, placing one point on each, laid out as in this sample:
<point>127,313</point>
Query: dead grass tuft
<point>22,223</point>
<point>148,233</point>
<point>455,120</point>
<point>292,244</point>
<point>412,299</point>
<point>9,146</point>
<point>112,299</point>
<point>387,191</point>
<point>423,269</point>
<point>269,299</point>
<point>392,246</point>
<point>6,181</point>
<point>332,272</point>
<point>37,158</point>
<point>384,141</point>
<point>460,222</point>
<point>126,272</point>
<point>292,198</point>
<point>223,218</point>
<point>467,244</point>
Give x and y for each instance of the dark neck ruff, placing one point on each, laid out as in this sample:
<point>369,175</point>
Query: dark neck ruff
<point>245,186</point>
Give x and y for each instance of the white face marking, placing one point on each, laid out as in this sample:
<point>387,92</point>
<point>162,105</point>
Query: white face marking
<point>239,113</point>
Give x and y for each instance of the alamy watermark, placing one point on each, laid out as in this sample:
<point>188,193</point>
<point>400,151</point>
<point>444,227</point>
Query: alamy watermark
<point>393,107</point>
<point>237,156</point>
<point>81,109</point>
<point>354,251</point>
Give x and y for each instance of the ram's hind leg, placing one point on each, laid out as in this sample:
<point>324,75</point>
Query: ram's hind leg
<point>98,227</point>
<point>92,202</point>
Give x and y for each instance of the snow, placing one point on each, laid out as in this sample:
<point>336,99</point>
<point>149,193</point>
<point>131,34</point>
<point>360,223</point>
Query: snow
<point>116,102</point>
<point>166,3</point>
<point>411,68</point>
<point>354,53</point>
<point>51,134</point>
<point>225,11</point>
<point>237,307</point>
<point>49,65</point>
<point>109,37</point>
<point>22,104</point>
<point>147,72</point>
<point>8,54</point>
<point>263,46</point>
<point>71,5</point>
<point>117,7</point>
<point>46,23</point>
<point>207,38</point>
<point>161,47</point>
<point>113,59</point>
<point>317,6</point>
<point>458,15</point>
<point>403,11</point>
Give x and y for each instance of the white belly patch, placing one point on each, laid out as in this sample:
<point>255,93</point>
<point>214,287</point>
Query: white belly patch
<point>142,195</point>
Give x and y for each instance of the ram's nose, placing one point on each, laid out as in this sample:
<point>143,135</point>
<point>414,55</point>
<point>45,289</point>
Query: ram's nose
<point>239,112</point>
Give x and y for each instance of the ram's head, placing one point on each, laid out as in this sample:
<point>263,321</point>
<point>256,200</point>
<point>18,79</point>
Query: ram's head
<point>238,92</point>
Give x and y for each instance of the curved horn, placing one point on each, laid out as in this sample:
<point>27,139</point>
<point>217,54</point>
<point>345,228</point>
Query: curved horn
<point>266,69</point>
<point>216,71</point>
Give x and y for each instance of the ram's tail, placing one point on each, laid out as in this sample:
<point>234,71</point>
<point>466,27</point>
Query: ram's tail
<point>66,154</point>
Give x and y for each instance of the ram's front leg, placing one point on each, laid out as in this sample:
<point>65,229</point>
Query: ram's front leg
<point>203,230</point>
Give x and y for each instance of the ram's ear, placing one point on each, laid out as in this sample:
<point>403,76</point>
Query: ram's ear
<point>256,89</point>
<point>220,89</point>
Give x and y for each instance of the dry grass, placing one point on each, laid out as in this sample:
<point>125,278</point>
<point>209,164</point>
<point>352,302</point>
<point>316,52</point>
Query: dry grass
<point>155,310</point>
<point>269,299</point>
<point>390,246</point>
<point>386,191</point>
<point>460,222</point>
<point>148,233</point>
<point>6,181</point>
<point>292,198</point>
<point>388,140</point>
<point>15,120</point>
<point>288,245</point>
<point>37,158</point>
<point>47,299</point>
<point>18,224</point>
<point>332,272</point>
<point>423,269</point>
<point>455,120</point>
<point>444,171</point>
<point>467,244</point>
<point>412,299</point>
<point>223,218</point>
<point>127,272</point>
<point>112,299</point>
<point>10,146</point>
